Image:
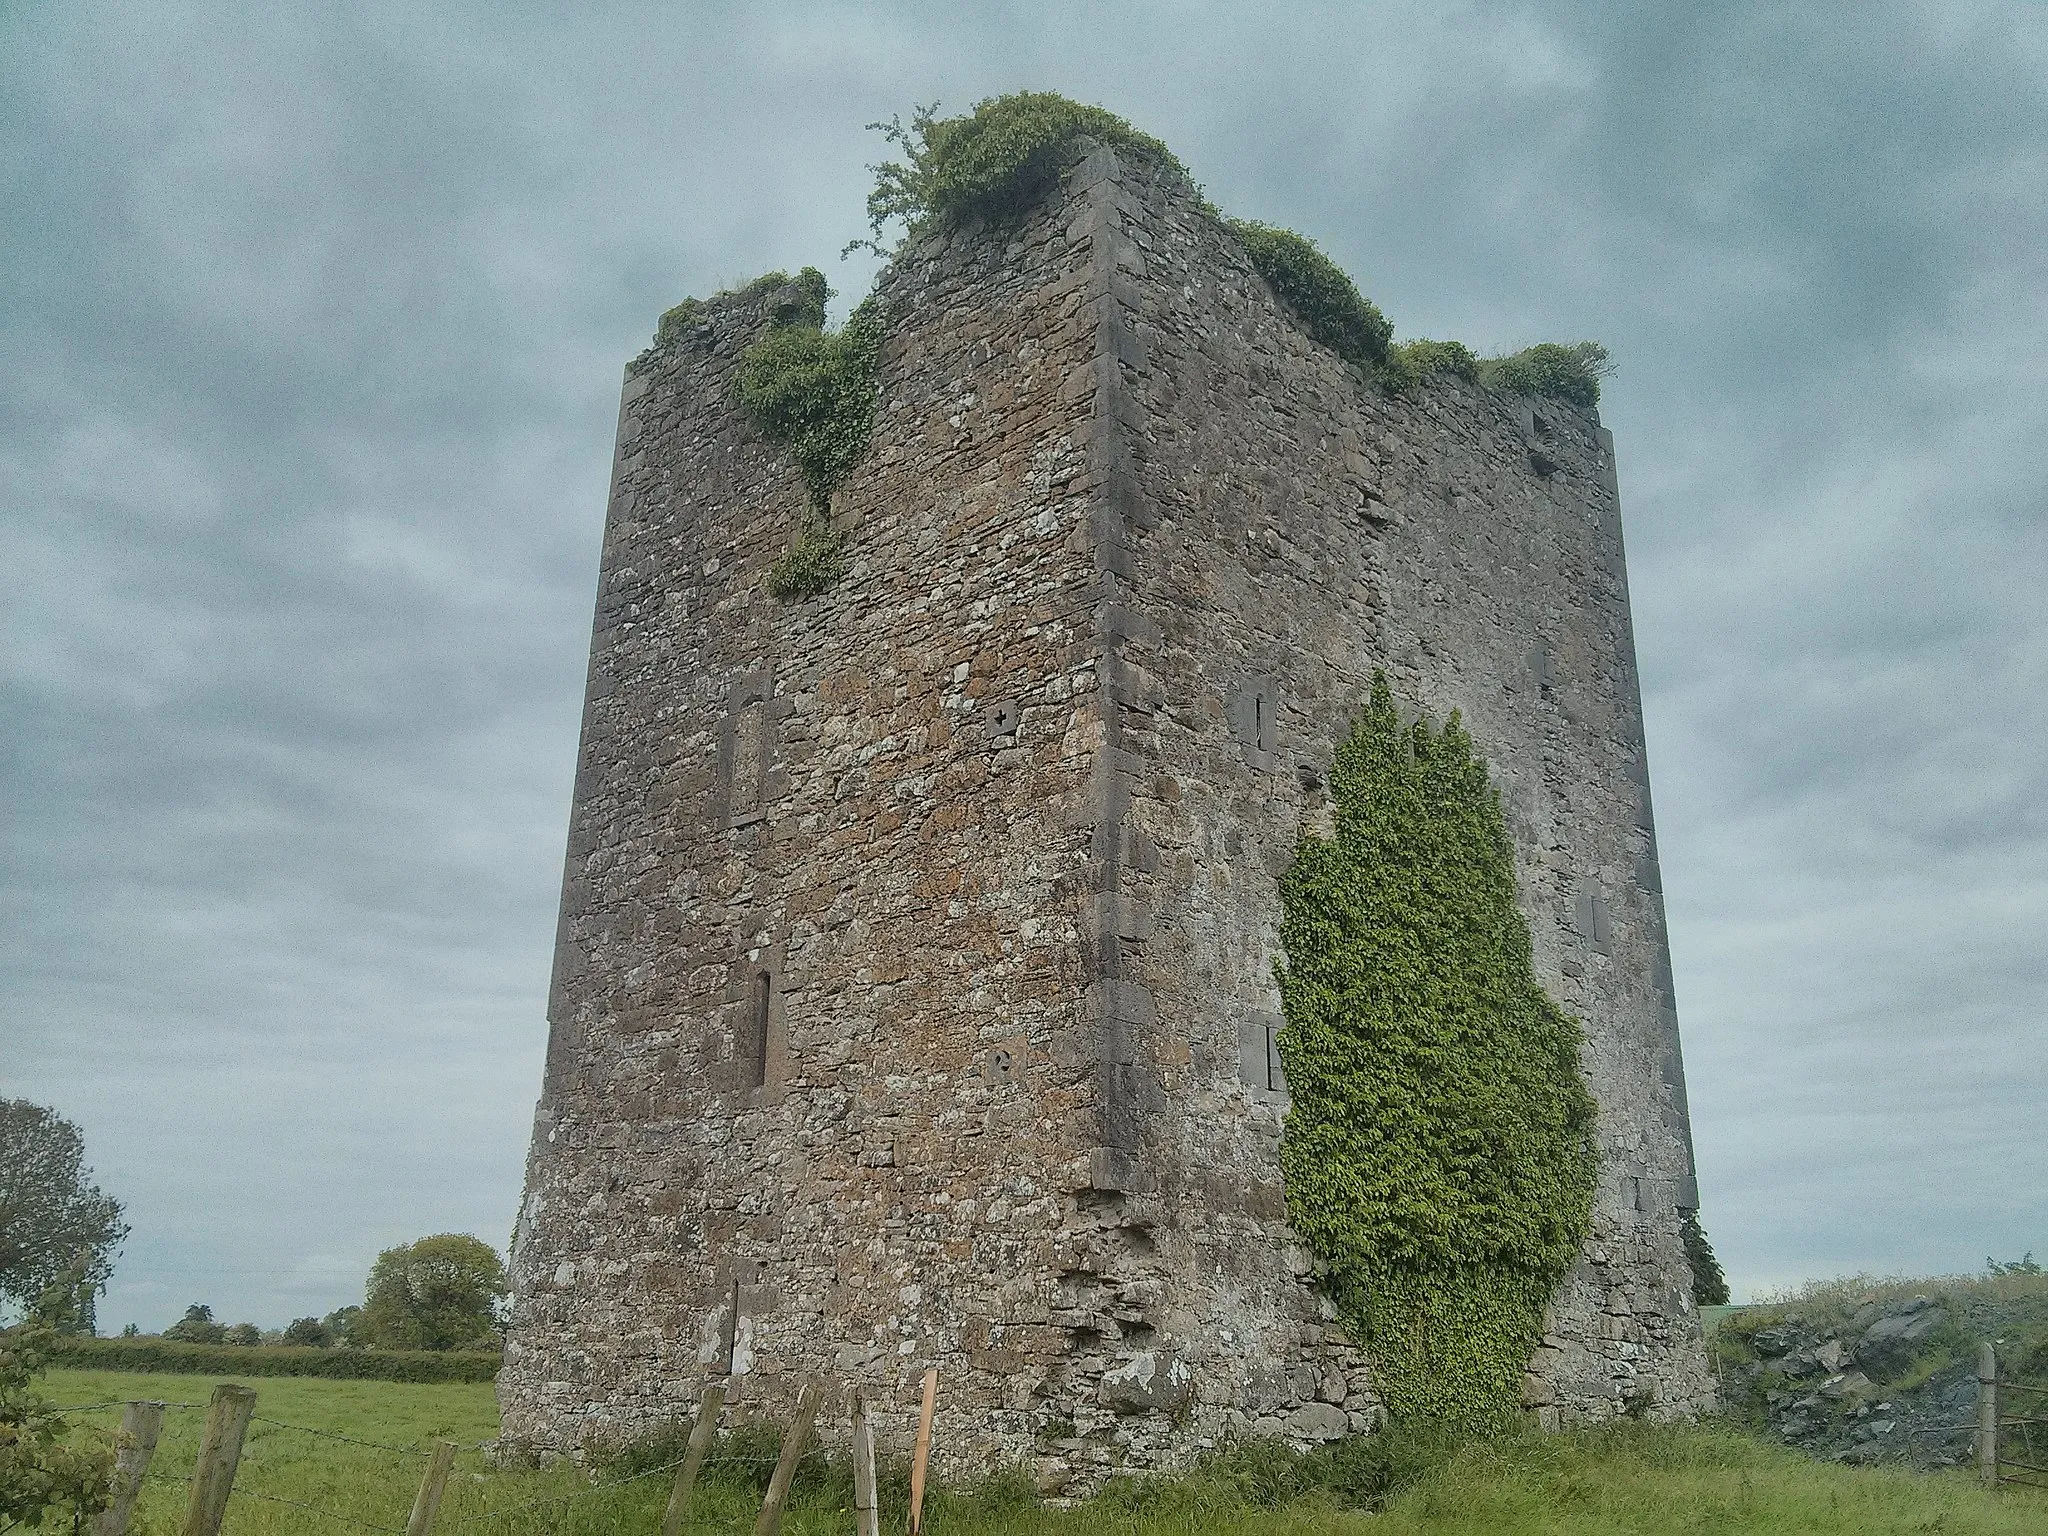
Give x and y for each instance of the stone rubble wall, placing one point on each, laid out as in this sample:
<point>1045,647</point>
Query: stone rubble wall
<point>879,797</point>
<point>1289,530</point>
<point>999,819</point>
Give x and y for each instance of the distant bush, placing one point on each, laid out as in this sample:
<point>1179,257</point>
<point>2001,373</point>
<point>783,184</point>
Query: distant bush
<point>308,1333</point>
<point>442,1292</point>
<point>167,1354</point>
<point>243,1336</point>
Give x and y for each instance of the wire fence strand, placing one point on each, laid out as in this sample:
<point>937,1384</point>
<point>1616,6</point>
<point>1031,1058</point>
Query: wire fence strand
<point>328,1434</point>
<point>580,1493</point>
<point>123,1402</point>
<point>327,1514</point>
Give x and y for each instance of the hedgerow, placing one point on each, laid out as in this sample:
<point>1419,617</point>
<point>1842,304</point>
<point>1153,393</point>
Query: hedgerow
<point>147,1354</point>
<point>1438,1154</point>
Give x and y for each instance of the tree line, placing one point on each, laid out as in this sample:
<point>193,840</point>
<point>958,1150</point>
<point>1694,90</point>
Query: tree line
<point>60,1233</point>
<point>442,1292</point>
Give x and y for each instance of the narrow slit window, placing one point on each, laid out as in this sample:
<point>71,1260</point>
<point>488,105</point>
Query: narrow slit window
<point>754,1064</point>
<point>749,761</point>
<point>1276,1073</point>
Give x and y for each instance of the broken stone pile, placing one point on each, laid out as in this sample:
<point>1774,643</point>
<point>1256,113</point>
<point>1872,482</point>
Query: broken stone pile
<point>1869,1379</point>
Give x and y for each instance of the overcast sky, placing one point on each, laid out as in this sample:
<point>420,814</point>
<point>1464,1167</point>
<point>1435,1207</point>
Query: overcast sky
<point>311,331</point>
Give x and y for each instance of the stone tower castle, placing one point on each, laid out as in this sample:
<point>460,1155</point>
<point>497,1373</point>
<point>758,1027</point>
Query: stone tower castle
<point>913,1001</point>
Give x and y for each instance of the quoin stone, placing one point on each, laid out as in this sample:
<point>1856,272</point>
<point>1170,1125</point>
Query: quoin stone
<point>913,1001</point>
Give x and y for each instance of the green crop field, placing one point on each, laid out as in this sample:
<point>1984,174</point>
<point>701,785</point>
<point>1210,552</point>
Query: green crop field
<point>1627,1480</point>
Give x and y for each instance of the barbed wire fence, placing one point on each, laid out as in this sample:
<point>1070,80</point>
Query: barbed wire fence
<point>213,1482</point>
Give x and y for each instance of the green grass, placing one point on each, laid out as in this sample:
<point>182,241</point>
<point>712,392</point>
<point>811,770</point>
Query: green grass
<point>1616,1482</point>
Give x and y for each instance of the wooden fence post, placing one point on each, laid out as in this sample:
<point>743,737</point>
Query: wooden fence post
<point>921,1457</point>
<point>769,1521</point>
<point>427,1502</point>
<point>678,1511</point>
<point>141,1423</point>
<point>220,1453</point>
<point>1987,1415</point>
<point>867,1507</point>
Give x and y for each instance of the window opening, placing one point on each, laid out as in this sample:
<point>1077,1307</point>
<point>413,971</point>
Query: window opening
<point>756,1059</point>
<point>749,759</point>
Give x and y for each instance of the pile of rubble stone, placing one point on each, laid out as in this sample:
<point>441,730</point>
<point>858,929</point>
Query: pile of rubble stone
<point>1871,1377</point>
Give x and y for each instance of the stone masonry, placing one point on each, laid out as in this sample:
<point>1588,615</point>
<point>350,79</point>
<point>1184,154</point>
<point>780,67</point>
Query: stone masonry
<point>913,999</point>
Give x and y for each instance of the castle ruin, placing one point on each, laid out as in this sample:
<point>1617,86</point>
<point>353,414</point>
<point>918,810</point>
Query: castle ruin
<point>913,1000</point>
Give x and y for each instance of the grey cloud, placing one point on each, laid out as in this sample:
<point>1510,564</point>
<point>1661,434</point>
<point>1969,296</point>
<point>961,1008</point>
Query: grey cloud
<point>313,325</point>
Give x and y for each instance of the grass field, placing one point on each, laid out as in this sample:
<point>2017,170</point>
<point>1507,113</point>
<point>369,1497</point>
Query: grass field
<point>1629,1481</point>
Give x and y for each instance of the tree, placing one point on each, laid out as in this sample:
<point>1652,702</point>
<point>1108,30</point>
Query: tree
<point>344,1326</point>
<point>69,1304</point>
<point>441,1292</point>
<point>52,1216</point>
<point>243,1335</point>
<point>47,1468</point>
<point>196,1326</point>
<point>308,1331</point>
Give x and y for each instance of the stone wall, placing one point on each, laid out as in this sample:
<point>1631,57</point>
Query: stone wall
<point>1287,532</point>
<point>872,806</point>
<point>913,998</point>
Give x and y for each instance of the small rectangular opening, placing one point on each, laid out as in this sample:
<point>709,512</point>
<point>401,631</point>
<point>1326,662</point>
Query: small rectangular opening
<point>1276,1073</point>
<point>754,1054</point>
<point>748,767</point>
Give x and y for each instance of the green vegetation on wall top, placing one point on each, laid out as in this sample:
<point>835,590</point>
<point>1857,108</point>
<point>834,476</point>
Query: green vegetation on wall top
<point>993,163</point>
<point>1438,1152</point>
<point>1325,302</point>
<point>813,392</point>
<point>998,160</point>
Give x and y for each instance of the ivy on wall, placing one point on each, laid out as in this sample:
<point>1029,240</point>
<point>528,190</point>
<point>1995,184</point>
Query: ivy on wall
<point>1709,1283</point>
<point>1438,1153</point>
<point>812,391</point>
